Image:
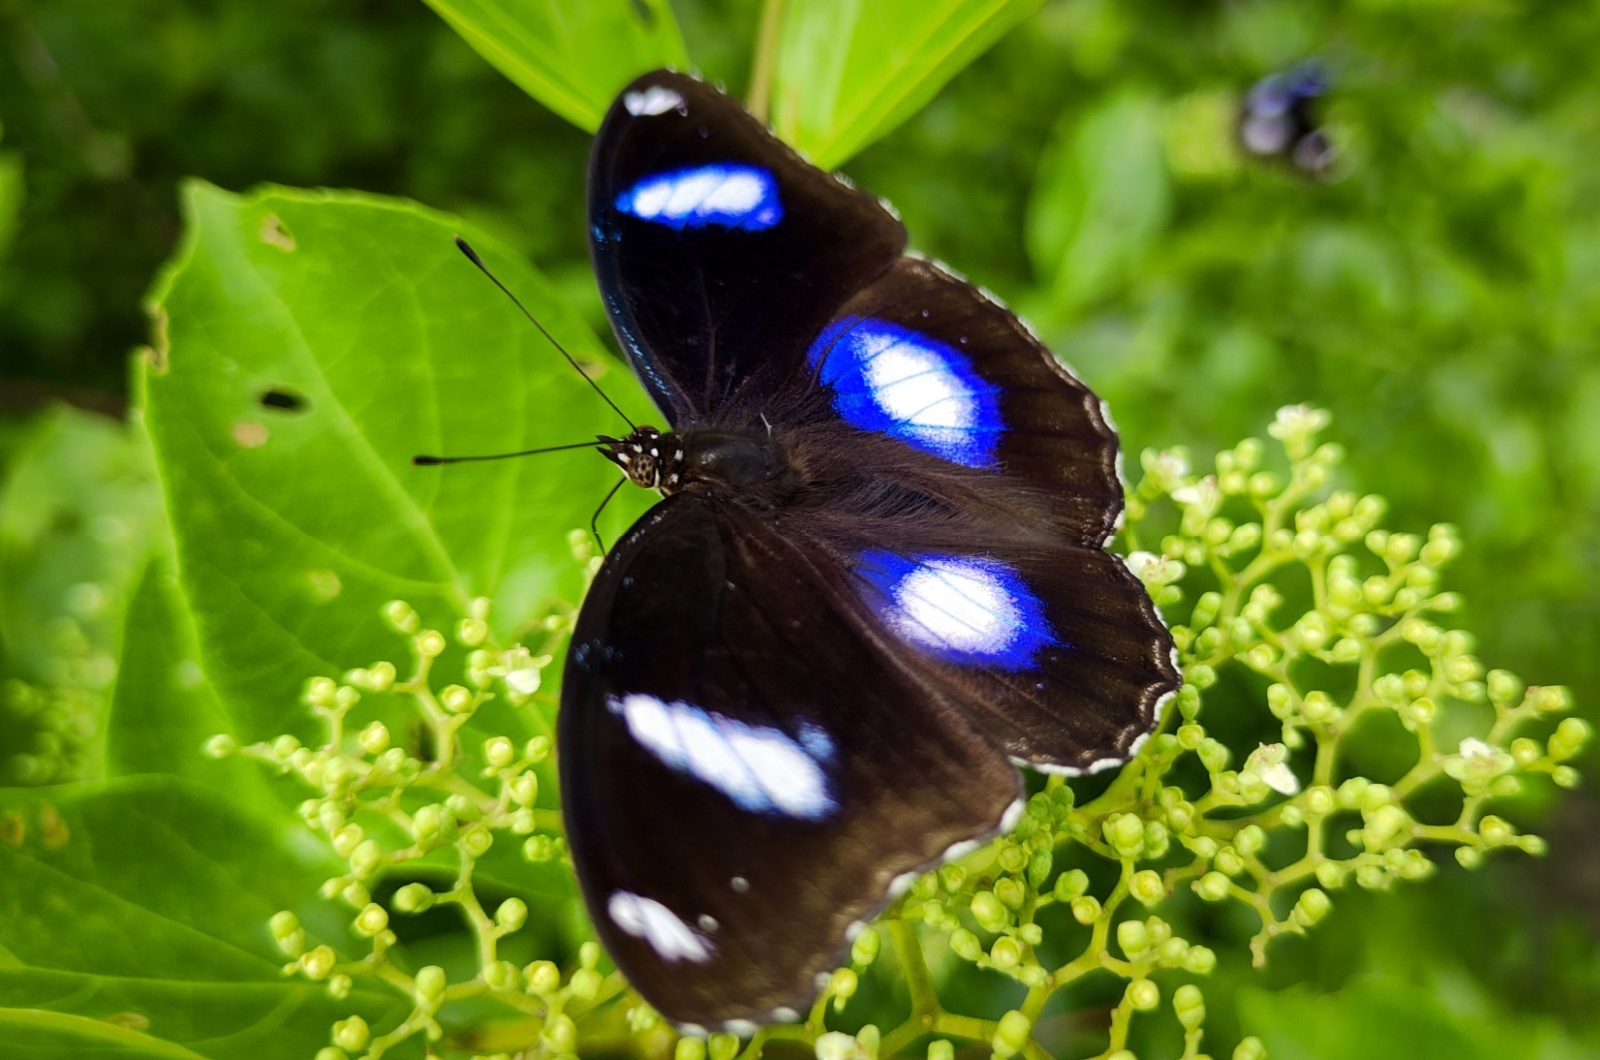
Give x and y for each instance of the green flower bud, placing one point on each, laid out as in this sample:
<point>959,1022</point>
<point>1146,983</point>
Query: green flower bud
<point>365,857</point>
<point>1006,953</point>
<point>339,986</point>
<point>1191,735</point>
<point>511,915</point>
<point>352,1033</point>
<point>1213,886</point>
<point>724,1046</point>
<point>413,898</point>
<point>372,919</point>
<point>941,1049</point>
<point>965,944</point>
<point>1133,937</point>
<point>499,752</point>
<point>1124,832</point>
<point>431,982</point>
<point>430,643</point>
<point>1012,858</point>
<point>331,1052</point>
<point>589,954</point>
<point>1172,952</point>
<point>524,821</point>
<point>1039,865</point>
<point>500,975</point>
<point>1010,892</point>
<point>1250,1049</point>
<point>560,1033</point>
<point>1312,905</point>
<point>1565,776</point>
<point>1143,995</point>
<point>1495,831</point>
<point>456,699</point>
<point>1146,887</point>
<point>539,848</point>
<point>690,1049</point>
<point>1213,755</point>
<point>542,978</point>
<point>1071,884</point>
<point>221,746</point>
<point>476,842</point>
<point>1228,862</point>
<point>1086,910</point>
<point>864,950</point>
<point>1011,1034</point>
<point>1190,1005</point>
<point>989,911</point>
<point>1569,738</point>
<point>318,964</point>
<point>585,983</point>
<point>1199,960</point>
<point>347,838</point>
<point>472,632</point>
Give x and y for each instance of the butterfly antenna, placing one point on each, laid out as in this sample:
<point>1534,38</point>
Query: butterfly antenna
<point>472,256</point>
<point>428,461</point>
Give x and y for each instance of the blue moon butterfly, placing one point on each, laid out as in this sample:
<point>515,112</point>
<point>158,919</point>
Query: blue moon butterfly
<point>876,580</point>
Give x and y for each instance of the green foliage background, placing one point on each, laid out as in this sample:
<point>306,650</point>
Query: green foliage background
<point>1438,297</point>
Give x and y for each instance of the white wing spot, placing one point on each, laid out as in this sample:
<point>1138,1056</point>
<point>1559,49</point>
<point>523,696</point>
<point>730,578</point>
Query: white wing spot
<point>653,100</point>
<point>648,919</point>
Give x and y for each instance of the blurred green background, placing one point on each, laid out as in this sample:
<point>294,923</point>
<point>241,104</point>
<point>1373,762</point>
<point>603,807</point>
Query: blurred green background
<point>1441,295</point>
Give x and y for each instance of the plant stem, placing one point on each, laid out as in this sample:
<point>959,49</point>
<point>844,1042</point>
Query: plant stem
<point>760,96</point>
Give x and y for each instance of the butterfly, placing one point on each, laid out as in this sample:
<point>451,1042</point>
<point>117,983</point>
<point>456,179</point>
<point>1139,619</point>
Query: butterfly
<point>876,579</point>
<point>1280,118</point>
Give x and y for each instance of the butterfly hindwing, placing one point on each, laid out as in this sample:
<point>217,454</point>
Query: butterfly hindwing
<point>745,769</point>
<point>718,250</point>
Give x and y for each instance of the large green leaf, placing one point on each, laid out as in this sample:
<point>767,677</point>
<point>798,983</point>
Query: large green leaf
<point>164,707</point>
<point>1102,198</point>
<point>848,71</point>
<point>79,516</point>
<point>1383,1017</point>
<point>132,923</point>
<point>294,527</point>
<point>573,56</point>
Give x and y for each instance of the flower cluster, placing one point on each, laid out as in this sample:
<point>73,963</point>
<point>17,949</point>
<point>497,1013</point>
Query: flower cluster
<point>1309,626</point>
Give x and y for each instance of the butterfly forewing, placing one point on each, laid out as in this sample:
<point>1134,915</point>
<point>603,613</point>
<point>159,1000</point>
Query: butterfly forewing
<point>745,772</point>
<point>719,251</point>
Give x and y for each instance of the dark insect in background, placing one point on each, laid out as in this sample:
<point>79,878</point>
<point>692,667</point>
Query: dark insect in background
<point>1281,118</point>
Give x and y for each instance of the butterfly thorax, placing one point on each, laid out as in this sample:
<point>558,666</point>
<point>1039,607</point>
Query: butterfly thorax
<point>673,461</point>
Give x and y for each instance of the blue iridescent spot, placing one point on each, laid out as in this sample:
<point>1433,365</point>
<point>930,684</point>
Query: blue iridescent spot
<point>760,767</point>
<point>962,609</point>
<point>726,195</point>
<point>890,379</point>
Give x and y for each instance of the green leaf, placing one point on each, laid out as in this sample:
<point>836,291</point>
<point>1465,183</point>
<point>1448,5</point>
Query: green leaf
<point>1382,1017</point>
<point>165,708</point>
<point>1101,200</point>
<point>848,71</point>
<point>79,517</point>
<point>573,56</point>
<point>294,527</point>
<point>132,923</point>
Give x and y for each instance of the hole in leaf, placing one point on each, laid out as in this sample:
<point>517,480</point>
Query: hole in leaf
<point>284,400</point>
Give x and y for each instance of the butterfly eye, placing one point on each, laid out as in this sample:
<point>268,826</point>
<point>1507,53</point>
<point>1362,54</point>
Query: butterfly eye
<point>958,608</point>
<point>890,379</point>
<point>727,196</point>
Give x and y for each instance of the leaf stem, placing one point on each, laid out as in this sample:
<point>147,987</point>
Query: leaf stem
<point>760,96</point>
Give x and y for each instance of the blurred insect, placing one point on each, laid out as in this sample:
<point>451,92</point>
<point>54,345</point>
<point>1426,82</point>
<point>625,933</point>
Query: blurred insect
<point>1282,119</point>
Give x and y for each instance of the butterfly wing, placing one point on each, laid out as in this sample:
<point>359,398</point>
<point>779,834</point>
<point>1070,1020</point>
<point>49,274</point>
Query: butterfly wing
<point>719,251</point>
<point>745,770</point>
<point>969,482</point>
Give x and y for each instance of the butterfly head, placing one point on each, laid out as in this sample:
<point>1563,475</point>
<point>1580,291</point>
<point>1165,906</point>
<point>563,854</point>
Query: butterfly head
<point>648,457</point>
